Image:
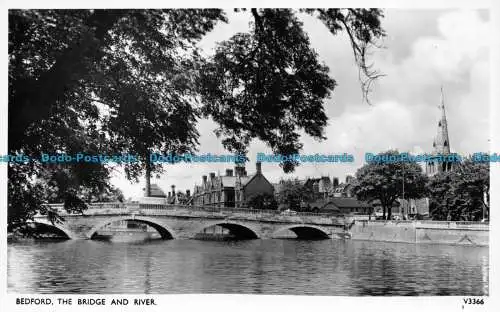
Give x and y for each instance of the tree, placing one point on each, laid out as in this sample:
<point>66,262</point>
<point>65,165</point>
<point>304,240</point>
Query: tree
<point>442,197</point>
<point>268,83</point>
<point>292,192</point>
<point>383,180</point>
<point>461,194</point>
<point>262,202</point>
<point>132,81</point>
<point>474,185</point>
<point>97,82</point>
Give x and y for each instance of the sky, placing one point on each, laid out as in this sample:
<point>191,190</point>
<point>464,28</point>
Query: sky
<point>423,51</point>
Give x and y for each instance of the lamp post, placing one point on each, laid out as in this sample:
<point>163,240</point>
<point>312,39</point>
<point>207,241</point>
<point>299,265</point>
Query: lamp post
<point>402,210</point>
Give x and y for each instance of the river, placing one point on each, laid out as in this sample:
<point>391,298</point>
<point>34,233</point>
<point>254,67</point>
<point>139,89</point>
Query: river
<point>286,267</point>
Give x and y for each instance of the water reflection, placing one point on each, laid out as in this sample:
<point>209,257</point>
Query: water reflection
<point>328,267</point>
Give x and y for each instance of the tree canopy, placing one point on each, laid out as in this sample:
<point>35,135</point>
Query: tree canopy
<point>461,194</point>
<point>262,202</point>
<point>133,81</point>
<point>384,181</point>
<point>292,192</point>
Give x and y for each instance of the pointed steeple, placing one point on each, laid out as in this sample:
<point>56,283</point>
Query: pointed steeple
<point>441,143</point>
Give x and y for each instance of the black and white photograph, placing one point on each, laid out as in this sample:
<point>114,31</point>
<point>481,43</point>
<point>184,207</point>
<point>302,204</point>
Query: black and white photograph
<point>252,150</point>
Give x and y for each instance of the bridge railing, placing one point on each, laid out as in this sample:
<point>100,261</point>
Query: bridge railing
<point>156,207</point>
<point>473,225</point>
<point>255,211</point>
<point>454,224</point>
<point>98,205</point>
<point>95,208</point>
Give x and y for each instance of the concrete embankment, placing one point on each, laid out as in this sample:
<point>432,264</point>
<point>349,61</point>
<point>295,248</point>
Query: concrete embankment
<point>428,232</point>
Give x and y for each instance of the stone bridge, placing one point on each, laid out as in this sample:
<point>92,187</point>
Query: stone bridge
<point>184,222</point>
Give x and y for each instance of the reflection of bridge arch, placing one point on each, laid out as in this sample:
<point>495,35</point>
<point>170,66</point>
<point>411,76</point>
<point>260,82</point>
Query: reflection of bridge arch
<point>240,231</point>
<point>163,230</point>
<point>56,226</point>
<point>304,231</point>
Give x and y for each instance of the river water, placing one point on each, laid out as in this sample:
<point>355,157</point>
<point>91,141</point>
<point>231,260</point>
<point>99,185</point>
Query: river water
<point>287,267</point>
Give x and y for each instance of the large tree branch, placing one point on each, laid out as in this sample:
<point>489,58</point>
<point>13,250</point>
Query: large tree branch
<point>35,98</point>
<point>366,75</point>
<point>258,20</point>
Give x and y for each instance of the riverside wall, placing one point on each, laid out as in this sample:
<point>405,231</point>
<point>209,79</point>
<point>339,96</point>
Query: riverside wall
<point>422,232</point>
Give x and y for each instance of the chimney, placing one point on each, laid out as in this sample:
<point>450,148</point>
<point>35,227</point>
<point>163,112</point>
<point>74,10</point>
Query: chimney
<point>173,190</point>
<point>169,194</point>
<point>258,167</point>
<point>212,175</point>
<point>348,179</point>
<point>204,179</point>
<point>335,182</point>
<point>188,193</point>
<point>240,170</point>
<point>229,172</point>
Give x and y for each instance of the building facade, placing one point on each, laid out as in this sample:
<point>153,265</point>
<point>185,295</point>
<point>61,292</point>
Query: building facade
<point>248,186</point>
<point>232,189</point>
<point>217,191</point>
<point>347,206</point>
<point>344,189</point>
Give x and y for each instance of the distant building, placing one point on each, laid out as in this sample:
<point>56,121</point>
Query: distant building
<point>378,209</point>
<point>404,206</point>
<point>157,196</point>
<point>414,206</point>
<point>343,189</point>
<point>319,187</point>
<point>248,186</point>
<point>440,145</point>
<point>217,191</point>
<point>325,194</point>
<point>231,190</point>
<point>345,206</point>
<point>184,198</point>
<point>156,191</point>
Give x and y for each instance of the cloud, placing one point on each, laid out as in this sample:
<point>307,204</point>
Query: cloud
<point>424,50</point>
<point>457,57</point>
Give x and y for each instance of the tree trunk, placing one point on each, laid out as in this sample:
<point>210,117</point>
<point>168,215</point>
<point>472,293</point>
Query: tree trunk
<point>148,178</point>
<point>389,213</point>
<point>383,212</point>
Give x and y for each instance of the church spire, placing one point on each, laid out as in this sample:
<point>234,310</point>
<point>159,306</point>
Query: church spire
<point>441,143</point>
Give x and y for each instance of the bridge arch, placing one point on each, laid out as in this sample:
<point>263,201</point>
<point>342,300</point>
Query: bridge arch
<point>305,231</point>
<point>59,227</point>
<point>240,231</point>
<point>164,231</point>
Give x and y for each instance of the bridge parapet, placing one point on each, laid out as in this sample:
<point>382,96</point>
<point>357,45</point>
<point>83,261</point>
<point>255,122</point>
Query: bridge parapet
<point>207,212</point>
<point>431,224</point>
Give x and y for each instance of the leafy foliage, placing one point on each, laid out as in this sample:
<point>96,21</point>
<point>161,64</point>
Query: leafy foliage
<point>262,202</point>
<point>97,82</point>
<point>292,192</point>
<point>384,181</point>
<point>461,194</point>
<point>133,81</point>
<point>268,84</point>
